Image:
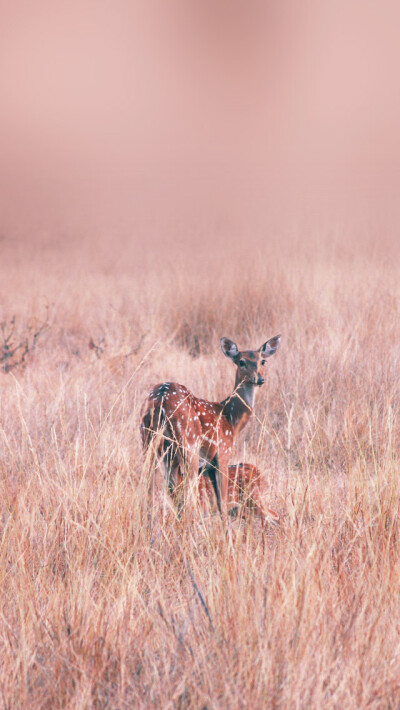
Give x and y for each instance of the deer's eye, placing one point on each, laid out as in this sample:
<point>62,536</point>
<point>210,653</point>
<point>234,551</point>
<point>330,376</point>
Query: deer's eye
<point>262,362</point>
<point>242,363</point>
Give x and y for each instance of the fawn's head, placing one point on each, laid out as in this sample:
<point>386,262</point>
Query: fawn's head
<point>250,363</point>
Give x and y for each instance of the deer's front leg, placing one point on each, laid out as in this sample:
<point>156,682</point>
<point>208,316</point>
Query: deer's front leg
<point>223,485</point>
<point>218,474</point>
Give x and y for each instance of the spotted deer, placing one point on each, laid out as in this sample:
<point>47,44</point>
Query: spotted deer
<point>246,491</point>
<point>193,436</point>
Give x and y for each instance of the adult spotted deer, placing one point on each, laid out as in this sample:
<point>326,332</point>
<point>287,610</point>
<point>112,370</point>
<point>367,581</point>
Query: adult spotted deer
<point>193,436</point>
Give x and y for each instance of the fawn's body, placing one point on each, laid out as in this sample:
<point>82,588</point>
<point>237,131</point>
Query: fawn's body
<point>194,435</point>
<point>246,491</point>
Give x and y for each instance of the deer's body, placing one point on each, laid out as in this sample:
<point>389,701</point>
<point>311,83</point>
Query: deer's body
<point>246,491</point>
<point>196,435</point>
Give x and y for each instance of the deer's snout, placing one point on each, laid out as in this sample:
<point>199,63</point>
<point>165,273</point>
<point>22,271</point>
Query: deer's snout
<point>260,380</point>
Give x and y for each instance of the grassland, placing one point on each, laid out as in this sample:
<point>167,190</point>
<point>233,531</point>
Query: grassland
<point>106,601</point>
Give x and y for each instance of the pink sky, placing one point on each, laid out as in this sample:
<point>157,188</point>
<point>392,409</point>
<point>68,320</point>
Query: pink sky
<point>127,109</point>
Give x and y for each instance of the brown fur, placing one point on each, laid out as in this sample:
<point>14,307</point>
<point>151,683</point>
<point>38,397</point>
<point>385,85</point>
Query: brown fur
<point>246,492</point>
<point>194,433</point>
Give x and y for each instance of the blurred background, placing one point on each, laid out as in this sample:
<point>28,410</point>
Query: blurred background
<point>205,120</point>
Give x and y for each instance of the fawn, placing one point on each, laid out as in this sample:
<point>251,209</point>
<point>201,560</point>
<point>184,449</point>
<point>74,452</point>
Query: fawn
<point>194,435</point>
<point>246,491</point>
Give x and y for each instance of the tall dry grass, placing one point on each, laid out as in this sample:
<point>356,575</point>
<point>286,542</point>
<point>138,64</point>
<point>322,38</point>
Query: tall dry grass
<point>107,601</point>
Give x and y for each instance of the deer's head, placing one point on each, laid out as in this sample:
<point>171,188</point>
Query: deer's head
<point>250,363</point>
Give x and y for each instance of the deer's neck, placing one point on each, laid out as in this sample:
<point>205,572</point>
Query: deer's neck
<point>238,408</point>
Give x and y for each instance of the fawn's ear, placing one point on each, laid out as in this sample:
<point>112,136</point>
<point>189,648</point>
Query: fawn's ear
<point>229,348</point>
<point>270,347</point>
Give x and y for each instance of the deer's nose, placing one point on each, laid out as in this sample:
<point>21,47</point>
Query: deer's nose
<point>260,380</point>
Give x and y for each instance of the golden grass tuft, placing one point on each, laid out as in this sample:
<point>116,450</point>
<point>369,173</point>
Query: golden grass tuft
<point>107,601</point>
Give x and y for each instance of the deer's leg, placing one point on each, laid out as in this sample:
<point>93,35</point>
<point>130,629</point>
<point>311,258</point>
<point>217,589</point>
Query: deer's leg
<point>258,510</point>
<point>257,503</point>
<point>217,471</point>
<point>207,486</point>
<point>168,457</point>
<point>268,516</point>
<point>213,473</point>
<point>224,483</point>
<point>194,483</point>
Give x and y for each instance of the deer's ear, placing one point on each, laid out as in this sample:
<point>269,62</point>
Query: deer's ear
<point>229,348</point>
<point>270,347</point>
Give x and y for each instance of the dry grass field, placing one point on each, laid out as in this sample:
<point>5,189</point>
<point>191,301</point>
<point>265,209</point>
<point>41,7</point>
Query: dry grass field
<point>107,600</point>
